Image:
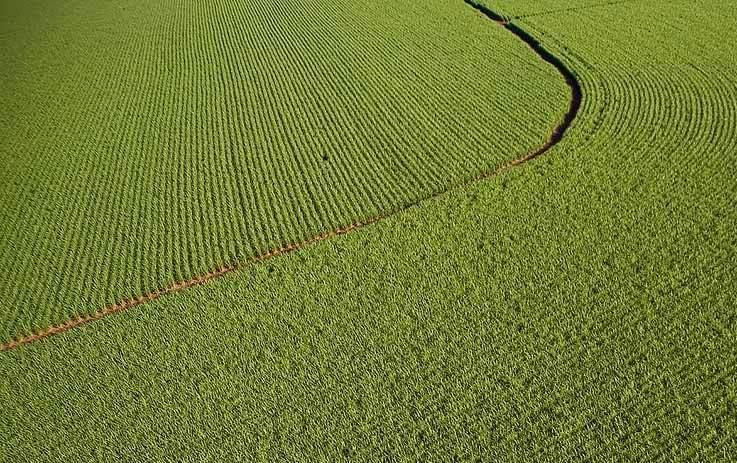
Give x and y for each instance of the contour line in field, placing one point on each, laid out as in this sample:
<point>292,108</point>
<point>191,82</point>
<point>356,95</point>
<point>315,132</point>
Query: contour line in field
<point>555,137</point>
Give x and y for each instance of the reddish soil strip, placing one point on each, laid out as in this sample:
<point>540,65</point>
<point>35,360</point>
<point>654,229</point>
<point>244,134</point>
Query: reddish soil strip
<point>553,139</point>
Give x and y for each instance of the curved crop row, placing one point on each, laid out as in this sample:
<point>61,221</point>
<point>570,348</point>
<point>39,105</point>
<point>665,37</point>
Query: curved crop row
<point>661,106</point>
<point>555,137</point>
<point>152,141</point>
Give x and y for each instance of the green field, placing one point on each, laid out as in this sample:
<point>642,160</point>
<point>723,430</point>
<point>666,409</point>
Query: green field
<point>195,137</point>
<point>579,306</point>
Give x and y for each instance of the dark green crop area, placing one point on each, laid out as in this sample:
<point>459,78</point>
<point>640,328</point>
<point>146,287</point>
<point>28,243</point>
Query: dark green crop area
<point>144,143</point>
<point>579,307</point>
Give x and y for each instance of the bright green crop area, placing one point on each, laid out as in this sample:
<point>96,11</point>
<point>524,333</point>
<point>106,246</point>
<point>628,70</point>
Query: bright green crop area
<point>580,307</point>
<point>145,143</point>
<point>520,9</point>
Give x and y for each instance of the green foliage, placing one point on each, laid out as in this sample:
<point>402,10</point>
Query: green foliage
<point>148,142</point>
<point>579,307</point>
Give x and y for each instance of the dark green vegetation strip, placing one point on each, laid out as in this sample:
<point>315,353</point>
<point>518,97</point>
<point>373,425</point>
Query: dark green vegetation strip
<point>581,307</point>
<point>145,143</point>
<point>520,9</point>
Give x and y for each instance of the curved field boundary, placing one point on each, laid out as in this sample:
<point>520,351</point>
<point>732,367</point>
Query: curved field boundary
<point>555,137</point>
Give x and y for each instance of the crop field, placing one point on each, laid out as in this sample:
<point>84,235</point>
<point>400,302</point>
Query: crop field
<point>368,231</point>
<point>180,151</point>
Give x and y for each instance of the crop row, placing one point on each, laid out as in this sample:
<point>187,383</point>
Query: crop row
<point>151,142</point>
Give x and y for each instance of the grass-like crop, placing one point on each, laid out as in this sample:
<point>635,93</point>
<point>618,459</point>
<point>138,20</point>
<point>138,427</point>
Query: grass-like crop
<point>146,143</point>
<point>579,307</point>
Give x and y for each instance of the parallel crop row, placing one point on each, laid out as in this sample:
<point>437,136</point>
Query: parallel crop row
<point>148,142</point>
